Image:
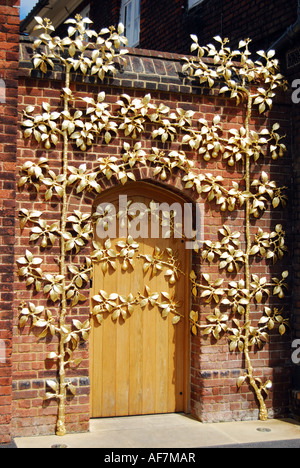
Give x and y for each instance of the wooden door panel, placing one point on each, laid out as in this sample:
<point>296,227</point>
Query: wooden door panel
<point>139,365</point>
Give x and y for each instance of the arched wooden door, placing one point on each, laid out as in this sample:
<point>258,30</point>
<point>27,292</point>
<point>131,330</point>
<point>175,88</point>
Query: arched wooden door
<point>139,359</point>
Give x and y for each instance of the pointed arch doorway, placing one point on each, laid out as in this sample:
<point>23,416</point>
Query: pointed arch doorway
<point>139,358</point>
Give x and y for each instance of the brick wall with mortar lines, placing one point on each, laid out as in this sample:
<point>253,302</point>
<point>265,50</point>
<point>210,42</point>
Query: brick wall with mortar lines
<point>167,25</point>
<point>263,21</point>
<point>214,369</point>
<point>9,55</point>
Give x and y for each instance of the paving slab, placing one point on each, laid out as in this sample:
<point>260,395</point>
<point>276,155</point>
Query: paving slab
<point>169,431</point>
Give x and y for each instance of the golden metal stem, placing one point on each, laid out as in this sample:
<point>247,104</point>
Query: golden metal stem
<point>263,414</point>
<point>61,428</point>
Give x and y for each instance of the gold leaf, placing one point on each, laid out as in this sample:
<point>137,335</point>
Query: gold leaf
<point>99,318</point>
<point>194,316</point>
<point>176,319</point>
<point>258,297</point>
<point>241,380</point>
<point>52,355</point>
<point>116,314</point>
<point>52,384</point>
<point>254,250</point>
<point>72,389</point>
<point>282,329</point>
<point>23,321</point>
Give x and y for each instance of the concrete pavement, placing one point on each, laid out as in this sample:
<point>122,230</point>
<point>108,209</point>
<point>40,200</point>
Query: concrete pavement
<point>170,431</point>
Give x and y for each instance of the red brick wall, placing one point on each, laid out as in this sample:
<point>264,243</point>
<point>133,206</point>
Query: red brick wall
<point>263,20</point>
<point>108,14</point>
<point>162,26</point>
<point>9,55</point>
<point>214,370</point>
<point>167,25</point>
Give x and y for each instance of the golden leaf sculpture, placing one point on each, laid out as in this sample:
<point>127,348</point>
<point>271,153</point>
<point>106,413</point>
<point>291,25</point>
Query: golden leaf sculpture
<point>250,84</point>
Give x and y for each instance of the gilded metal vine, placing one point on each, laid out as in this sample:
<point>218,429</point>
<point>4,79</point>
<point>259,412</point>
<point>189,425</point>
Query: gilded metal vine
<point>251,84</point>
<point>244,146</point>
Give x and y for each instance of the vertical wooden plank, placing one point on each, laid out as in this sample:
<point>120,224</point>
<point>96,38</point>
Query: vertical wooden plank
<point>109,347</point>
<point>171,367</point>
<point>181,331</point>
<point>96,371</point>
<point>160,284</point>
<point>137,324</point>
<point>122,367</point>
<point>149,359</point>
<point>179,366</point>
<point>96,375</point>
<point>136,364</point>
<point>187,335</point>
<point>109,370</point>
<point>161,363</point>
<point>121,327</point>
